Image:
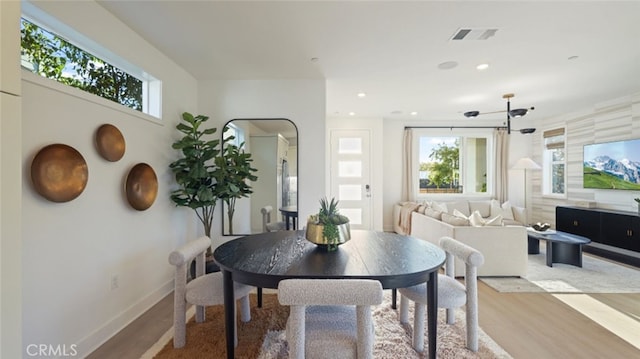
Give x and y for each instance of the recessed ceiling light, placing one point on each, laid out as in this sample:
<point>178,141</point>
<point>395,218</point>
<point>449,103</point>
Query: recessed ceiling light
<point>574,57</point>
<point>362,94</point>
<point>396,112</point>
<point>352,113</point>
<point>482,67</point>
<point>314,59</point>
<point>414,113</point>
<point>447,65</point>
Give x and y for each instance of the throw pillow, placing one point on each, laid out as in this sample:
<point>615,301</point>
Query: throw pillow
<point>476,219</point>
<point>460,214</point>
<point>520,215</point>
<point>438,206</point>
<point>433,213</point>
<point>504,210</point>
<point>495,221</point>
<point>453,220</point>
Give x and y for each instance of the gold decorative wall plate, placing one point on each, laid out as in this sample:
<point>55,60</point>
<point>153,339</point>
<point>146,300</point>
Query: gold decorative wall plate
<point>59,173</point>
<point>141,186</point>
<point>110,142</point>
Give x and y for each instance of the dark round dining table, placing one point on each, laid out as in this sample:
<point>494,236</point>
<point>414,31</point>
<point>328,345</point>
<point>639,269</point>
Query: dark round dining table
<point>263,260</point>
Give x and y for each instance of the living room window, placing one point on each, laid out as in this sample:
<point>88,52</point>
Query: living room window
<point>554,163</point>
<point>53,50</point>
<point>452,162</point>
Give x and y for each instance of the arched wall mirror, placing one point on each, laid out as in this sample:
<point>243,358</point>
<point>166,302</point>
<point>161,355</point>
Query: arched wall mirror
<point>273,145</point>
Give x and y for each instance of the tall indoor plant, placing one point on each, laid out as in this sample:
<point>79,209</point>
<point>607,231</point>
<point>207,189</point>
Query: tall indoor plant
<point>194,171</point>
<point>233,171</point>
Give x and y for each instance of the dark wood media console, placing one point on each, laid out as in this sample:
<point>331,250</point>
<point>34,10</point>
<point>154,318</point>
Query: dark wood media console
<point>614,234</point>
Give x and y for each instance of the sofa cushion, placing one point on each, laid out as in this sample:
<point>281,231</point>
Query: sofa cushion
<point>484,207</point>
<point>495,221</point>
<point>461,206</point>
<point>454,220</point>
<point>504,210</point>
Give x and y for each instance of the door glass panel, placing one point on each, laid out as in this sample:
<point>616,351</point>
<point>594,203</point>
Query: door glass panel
<point>349,192</point>
<point>354,215</point>
<point>350,168</point>
<point>349,145</point>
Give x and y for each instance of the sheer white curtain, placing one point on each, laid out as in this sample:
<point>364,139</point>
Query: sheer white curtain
<point>501,184</point>
<point>408,182</point>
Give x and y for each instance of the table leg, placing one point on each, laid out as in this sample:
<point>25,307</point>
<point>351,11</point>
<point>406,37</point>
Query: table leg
<point>394,298</point>
<point>286,222</point>
<point>259,297</point>
<point>229,312</point>
<point>549,254</point>
<point>432,312</point>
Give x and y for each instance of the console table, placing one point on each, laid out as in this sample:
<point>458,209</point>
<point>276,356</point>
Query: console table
<point>615,234</point>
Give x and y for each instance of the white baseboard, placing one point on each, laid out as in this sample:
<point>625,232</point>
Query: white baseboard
<point>98,337</point>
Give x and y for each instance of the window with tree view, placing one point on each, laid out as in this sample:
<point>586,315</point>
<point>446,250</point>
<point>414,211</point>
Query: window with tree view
<point>53,57</point>
<point>553,171</point>
<point>452,164</point>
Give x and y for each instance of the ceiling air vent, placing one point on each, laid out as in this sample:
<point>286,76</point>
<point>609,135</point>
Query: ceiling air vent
<point>474,34</point>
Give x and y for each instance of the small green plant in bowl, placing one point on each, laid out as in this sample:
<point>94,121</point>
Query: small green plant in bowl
<point>328,228</point>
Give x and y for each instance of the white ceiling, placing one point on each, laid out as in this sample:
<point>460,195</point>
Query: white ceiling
<point>391,51</point>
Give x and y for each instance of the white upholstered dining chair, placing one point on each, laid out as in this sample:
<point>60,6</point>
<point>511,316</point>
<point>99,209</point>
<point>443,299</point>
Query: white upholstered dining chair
<point>330,318</point>
<point>203,290</point>
<point>451,293</point>
<point>267,225</point>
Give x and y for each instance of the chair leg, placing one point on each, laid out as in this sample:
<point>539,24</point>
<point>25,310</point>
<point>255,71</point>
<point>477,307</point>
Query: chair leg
<point>200,314</point>
<point>451,315</point>
<point>179,325</point>
<point>245,309</point>
<point>418,327</point>
<point>404,309</point>
<point>259,297</point>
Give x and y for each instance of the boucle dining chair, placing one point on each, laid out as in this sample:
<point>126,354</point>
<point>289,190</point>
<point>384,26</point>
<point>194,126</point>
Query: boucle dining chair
<point>451,293</point>
<point>267,225</point>
<point>330,318</point>
<point>203,290</point>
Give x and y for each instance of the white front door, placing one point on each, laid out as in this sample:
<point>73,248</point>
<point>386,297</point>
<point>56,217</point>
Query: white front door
<point>351,174</point>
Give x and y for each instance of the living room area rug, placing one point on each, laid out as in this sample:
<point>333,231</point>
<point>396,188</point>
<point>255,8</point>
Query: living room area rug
<point>264,337</point>
<point>596,276</point>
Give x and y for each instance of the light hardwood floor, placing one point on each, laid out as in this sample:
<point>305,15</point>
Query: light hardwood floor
<point>526,325</point>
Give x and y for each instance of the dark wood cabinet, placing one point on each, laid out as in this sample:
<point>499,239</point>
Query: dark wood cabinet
<point>584,223</point>
<point>614,229</point>
<point>620,231</point>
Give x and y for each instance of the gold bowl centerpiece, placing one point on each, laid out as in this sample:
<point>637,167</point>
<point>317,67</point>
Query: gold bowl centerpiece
<point>328,228</point>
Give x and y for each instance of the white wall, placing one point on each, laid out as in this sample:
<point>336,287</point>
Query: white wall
<point>10,183</point>
<point>610,120</point>
<point>72,250</point>
<point>301,101</point>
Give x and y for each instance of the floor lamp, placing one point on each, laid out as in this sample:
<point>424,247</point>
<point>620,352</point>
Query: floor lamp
<point>526,163</point>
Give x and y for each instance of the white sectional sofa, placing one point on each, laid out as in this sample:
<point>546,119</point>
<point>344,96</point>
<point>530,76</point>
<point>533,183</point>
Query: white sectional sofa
<point>504,246</point>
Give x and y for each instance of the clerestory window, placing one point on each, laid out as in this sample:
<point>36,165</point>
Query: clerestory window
<point>57,57</point>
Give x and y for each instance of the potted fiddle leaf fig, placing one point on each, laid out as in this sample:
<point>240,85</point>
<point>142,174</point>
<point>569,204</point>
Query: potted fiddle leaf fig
<point>194,170</point>
<point>233,172</point>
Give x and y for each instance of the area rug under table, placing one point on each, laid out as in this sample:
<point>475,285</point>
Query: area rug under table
<point>595,276</point>
<point>263,337</point>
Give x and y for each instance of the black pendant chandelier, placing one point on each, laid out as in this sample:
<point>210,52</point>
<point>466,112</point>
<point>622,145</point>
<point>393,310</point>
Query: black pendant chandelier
<point>515,113</point>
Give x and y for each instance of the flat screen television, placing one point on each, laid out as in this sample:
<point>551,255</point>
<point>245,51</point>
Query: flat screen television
<point>612,165</point>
